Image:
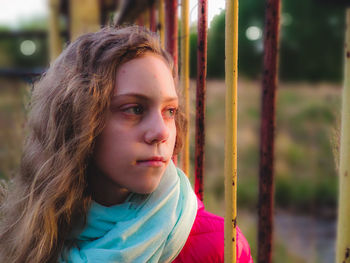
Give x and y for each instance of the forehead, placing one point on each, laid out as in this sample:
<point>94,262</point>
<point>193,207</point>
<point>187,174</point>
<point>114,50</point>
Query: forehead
<point>148,75</point>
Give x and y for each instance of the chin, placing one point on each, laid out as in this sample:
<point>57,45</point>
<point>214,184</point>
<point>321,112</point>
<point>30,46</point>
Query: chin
<point>145,191</point>
<point>148,182</point>
<point>147,188</point>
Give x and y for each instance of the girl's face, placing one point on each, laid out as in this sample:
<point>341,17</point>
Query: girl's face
<point>138,140</point>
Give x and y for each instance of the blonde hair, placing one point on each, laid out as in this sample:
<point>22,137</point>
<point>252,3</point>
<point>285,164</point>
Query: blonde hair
<point>50,195</point>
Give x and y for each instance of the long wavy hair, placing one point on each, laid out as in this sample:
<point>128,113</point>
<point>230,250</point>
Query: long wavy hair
<point>50,195</point>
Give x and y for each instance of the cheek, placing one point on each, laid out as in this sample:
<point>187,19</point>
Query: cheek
<point>102,153</point>
<point>114,134</point>
<point>107,146</point>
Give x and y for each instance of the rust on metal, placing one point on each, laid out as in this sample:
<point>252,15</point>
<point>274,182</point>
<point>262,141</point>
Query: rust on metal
<point>171,30</point>
<point>140,20</point>
<point>161,22</point>
<point>200,96</point>
<point>152,17</point>
<point>171,36</point>
<point>266,172</point>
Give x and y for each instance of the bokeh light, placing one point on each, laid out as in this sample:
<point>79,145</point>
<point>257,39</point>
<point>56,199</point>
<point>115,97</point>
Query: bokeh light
<point>253,33</point>
<point>286,19</point>
<point>28,47</point>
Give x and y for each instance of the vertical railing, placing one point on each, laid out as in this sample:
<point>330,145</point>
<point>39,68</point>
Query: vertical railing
<point>266,172</point>
<point>54,31</point>
<point>185,81</point>
<point>161,21</point>
<point>231,75</point>
<point>171,29</point>
<point>343,231</point>
<point>152,18</point>
<point>200,95</point>
<point>171,35</point>
<point>84,17</point>
<point>146,18</point>
<point>140,20</point>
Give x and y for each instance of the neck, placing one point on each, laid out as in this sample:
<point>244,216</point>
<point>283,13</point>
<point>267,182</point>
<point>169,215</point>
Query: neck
<point>104,190</point>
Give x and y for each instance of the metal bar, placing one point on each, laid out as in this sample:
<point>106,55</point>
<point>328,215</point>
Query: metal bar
<point>140,20</point>
<point>200,95</point>
<point>267,130</point>
<point>171,35</point>
<point>171,29</point>
<point>147,18</point>
<point>152,17</point>
<point>231,76</point>
<point>85,17</point>
<point>161,24</point>
<point>55,41</point>
<point>185,80</point>
<point>343,228</point>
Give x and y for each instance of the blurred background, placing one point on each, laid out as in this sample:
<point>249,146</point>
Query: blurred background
<point>308,112</point>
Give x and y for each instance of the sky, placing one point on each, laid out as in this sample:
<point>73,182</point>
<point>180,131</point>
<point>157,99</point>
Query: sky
<point>14,11</point>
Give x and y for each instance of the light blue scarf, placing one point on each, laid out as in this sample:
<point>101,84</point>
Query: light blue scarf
<point>145,228</point>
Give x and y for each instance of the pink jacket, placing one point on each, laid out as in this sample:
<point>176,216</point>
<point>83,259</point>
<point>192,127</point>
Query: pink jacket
<point>206,241</point>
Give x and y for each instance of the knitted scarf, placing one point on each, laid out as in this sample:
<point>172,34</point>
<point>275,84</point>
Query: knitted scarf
<point>145,228</point>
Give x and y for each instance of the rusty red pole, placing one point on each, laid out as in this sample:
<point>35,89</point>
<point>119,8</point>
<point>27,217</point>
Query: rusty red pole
<point>171,29</point>
<point>152,18</point>
<point>139,20</point>
<point>200,96</point>
<point>266,173</point>
<point>171,36</point>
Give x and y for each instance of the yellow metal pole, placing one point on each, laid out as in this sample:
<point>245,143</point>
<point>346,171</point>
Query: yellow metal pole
<point>184,79</point>
<point>161,22</point>
<point>231,75</point>
<point>146,18</point>
<point>85,17</point>
<point>343,231</point>
<point>55,42</point>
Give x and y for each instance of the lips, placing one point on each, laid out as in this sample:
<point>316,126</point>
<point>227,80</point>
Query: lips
<point>154,161</point>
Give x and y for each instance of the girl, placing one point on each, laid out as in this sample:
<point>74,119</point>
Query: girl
<point>96,182</point>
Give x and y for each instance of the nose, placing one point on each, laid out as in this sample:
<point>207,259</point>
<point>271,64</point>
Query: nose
<point>157,130</point>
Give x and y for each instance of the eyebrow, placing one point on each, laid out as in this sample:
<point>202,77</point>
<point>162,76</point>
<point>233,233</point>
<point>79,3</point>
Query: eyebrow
<point>142,97</point>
